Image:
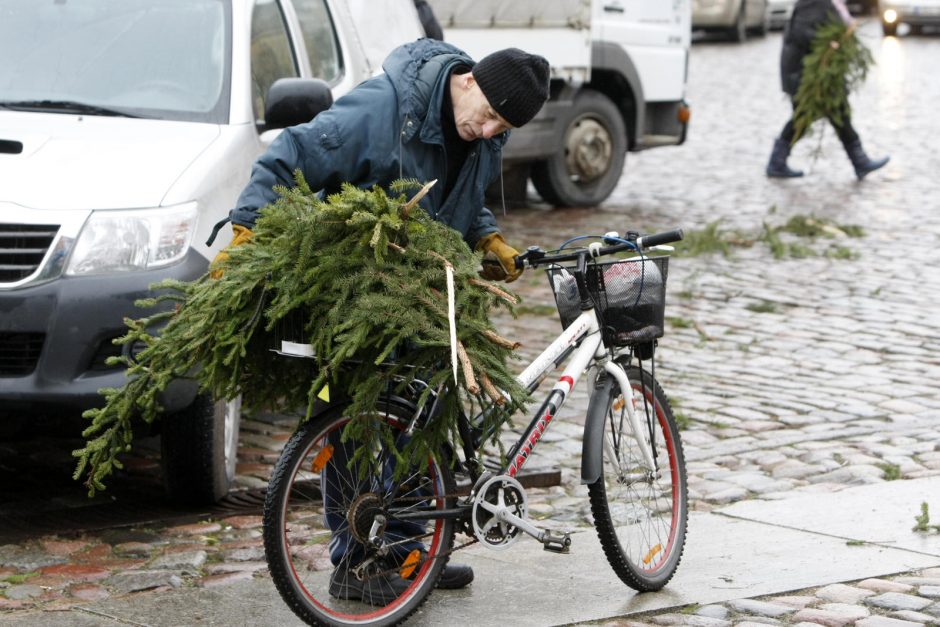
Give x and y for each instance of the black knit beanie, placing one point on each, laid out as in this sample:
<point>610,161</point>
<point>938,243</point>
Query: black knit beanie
<point>514,82</point>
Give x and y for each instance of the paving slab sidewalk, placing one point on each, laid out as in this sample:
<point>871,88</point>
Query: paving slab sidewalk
<point>750,549</point>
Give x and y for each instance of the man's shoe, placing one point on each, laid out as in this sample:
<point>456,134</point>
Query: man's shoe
<point>379,589</point>
<point>455,576</point>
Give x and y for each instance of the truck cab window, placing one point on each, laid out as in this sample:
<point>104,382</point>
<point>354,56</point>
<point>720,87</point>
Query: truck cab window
<point>271,54</point>
<point>320,39</point>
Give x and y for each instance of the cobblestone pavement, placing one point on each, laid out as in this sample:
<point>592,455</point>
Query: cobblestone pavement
<point>799,364</point>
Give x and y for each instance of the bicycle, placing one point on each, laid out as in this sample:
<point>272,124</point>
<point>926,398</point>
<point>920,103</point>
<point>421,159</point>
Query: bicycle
<point>345,549</point>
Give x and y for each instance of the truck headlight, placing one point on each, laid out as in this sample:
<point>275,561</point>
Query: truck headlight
<point>125,241</point>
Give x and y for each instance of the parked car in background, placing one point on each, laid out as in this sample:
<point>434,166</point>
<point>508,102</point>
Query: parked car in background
<point>861,7</point>
<point>733,17</point>
<point>917,14</point>
<point>780,12</point>
<point>127,130</point>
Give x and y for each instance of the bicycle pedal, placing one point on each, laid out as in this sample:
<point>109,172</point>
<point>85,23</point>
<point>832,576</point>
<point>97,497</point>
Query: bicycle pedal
<point>556,542</point>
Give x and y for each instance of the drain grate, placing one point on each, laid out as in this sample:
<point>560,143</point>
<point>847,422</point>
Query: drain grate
<point>17,527</point>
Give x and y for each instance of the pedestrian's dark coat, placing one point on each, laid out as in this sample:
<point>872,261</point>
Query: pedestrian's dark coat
<point>798,37</point>
<point>386,128</point>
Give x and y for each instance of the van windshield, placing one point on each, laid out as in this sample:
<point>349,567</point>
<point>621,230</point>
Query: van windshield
<point>162,59</point>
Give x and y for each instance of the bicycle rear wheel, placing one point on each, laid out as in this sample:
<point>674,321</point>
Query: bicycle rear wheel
<point>346,547</point>
<point>640,513</point>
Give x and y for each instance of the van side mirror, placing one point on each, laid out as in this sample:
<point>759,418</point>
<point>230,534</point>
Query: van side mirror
<point>293,101</point>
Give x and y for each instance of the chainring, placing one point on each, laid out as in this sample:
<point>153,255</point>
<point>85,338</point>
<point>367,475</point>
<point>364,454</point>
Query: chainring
<point>498,491</point>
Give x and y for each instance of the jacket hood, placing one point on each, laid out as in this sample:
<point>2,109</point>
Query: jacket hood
<point>93,162</point>
<point>419,92</point>
<point>416,70</point>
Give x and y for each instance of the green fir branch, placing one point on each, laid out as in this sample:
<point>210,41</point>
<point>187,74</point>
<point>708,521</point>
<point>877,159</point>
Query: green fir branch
<point>837,64</point>
<point>361,277</point>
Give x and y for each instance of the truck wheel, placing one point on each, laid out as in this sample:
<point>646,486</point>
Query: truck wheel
<point>199,445</point>
<point>594,142</point>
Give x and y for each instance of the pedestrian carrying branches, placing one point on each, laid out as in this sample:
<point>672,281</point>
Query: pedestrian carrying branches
<point>822,61</point>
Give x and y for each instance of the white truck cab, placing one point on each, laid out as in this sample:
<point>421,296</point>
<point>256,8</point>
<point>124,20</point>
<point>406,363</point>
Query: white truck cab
<point>619,70</point>
<point>127,130</point>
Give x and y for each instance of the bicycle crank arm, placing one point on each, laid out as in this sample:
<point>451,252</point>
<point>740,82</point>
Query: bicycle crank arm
<point>558,543</point>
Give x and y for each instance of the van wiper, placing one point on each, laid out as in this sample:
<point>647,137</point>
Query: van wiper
<point>69,106</point>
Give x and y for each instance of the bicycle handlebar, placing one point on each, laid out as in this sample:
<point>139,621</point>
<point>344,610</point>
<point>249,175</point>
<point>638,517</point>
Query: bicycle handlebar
<point>666,237</point>
<point>535,256</point>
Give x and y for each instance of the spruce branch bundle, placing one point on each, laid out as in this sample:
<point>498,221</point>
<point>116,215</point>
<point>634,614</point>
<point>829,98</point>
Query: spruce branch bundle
<point>837,63</point>
<point>365,274</point>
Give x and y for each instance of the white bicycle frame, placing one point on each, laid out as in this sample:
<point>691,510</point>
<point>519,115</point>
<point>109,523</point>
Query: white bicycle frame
<point>585,329</point>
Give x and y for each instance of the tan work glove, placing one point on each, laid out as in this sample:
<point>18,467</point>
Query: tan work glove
<point>241,235</point>
<point>499,259</point>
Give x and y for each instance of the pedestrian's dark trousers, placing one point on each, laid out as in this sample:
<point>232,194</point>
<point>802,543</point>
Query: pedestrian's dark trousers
<point>845,131</point>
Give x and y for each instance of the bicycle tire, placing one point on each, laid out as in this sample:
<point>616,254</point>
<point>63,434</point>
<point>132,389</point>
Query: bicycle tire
<point>641,519</point>
<point>299,542</point>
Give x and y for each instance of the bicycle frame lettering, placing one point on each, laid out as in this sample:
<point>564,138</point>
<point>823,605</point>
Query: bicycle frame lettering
<point>586,327</point>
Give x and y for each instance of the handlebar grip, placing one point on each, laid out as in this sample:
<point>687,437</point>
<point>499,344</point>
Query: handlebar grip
<point>665,237</point>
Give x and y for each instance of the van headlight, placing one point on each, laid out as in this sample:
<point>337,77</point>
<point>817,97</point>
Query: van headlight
<point>125,241</point>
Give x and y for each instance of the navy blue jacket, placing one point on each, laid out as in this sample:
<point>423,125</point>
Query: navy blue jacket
<point>388,127</point>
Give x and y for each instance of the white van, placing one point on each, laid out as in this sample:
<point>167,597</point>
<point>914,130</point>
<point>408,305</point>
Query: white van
<point>127,130</point>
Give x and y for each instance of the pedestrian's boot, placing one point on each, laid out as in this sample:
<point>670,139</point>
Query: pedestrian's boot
<point>863,163</point>
<point>777,167</point>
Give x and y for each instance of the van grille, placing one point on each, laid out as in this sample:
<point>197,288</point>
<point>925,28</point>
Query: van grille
<point>22,248</point>
<point>19,353</point>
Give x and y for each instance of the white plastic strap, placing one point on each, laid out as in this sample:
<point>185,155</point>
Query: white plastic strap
<point>595,249</point>
<point>452,319</point>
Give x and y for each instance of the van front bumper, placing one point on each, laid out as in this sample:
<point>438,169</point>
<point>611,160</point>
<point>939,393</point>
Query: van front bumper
<point>55,337</point>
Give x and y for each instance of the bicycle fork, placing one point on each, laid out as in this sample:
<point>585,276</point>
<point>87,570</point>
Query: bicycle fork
<point>640,431</point>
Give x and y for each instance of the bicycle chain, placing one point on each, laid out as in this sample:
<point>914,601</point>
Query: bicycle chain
<point>473,539</point>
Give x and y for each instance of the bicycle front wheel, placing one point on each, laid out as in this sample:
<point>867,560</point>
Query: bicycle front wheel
<point>640,512</point>
<point>349,542</point>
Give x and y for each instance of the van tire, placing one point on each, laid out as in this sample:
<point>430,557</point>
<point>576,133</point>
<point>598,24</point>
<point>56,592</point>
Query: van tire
<point>587,169</point>
<point>198,446</point>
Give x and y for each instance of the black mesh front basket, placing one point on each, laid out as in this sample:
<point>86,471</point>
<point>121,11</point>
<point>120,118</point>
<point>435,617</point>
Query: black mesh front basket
<point>629,297</point>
